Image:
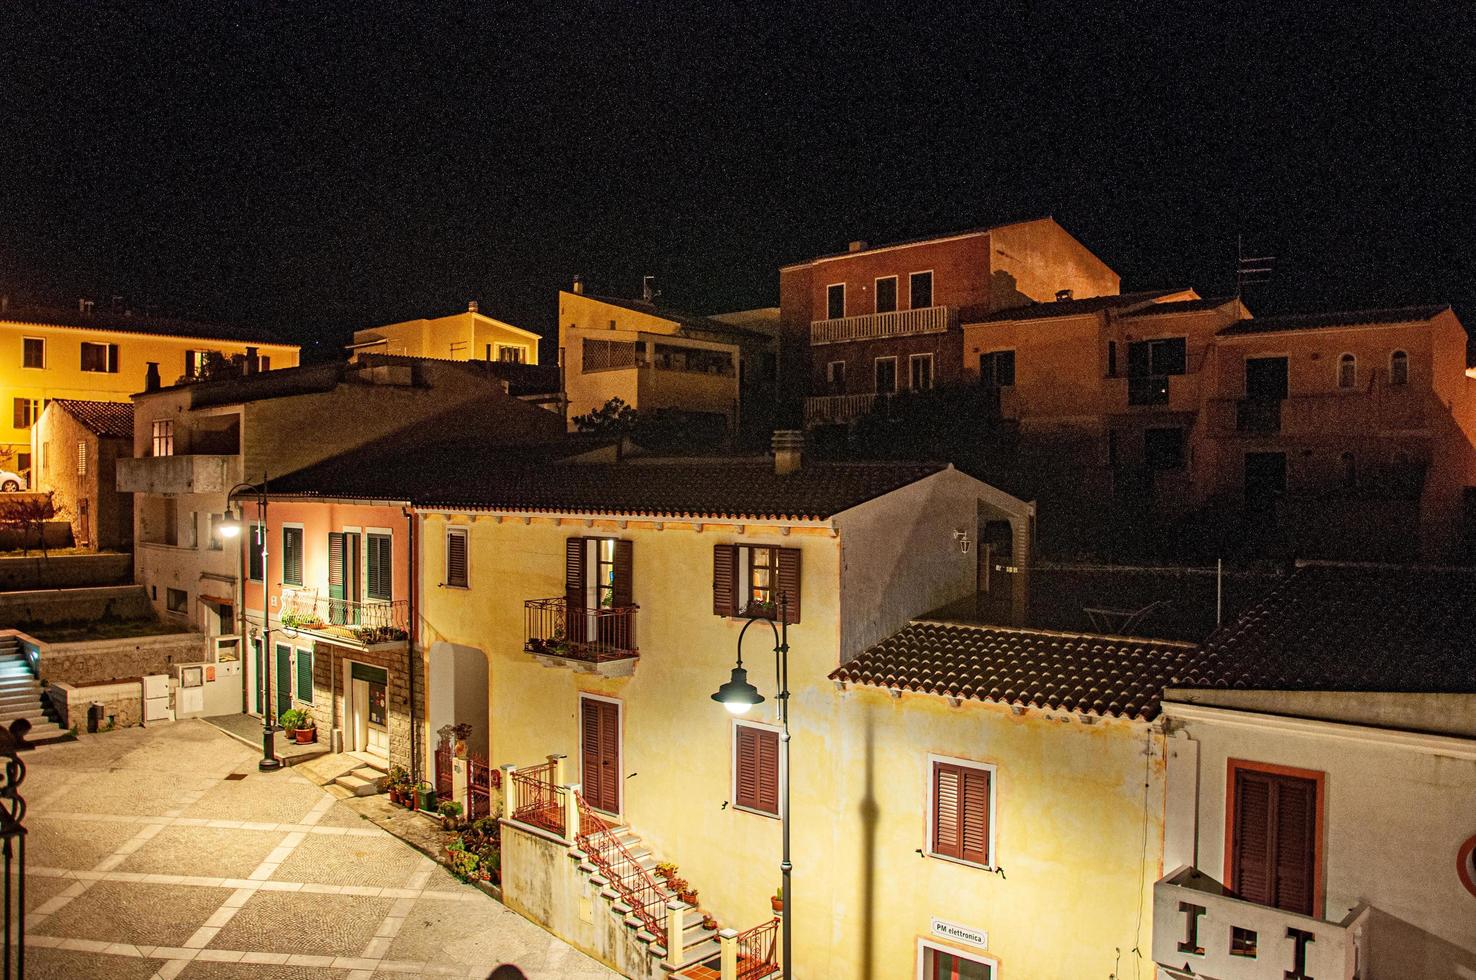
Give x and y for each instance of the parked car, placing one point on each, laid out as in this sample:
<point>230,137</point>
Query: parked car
<point>11,482</point>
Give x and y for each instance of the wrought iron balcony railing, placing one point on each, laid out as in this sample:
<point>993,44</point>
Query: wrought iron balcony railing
<point>367,622</point>
<point>595,636</point>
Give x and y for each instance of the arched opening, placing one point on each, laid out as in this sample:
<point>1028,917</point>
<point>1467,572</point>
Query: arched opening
<point>1399,368</point>
<point>457,688</point>
<point>1347,371</point>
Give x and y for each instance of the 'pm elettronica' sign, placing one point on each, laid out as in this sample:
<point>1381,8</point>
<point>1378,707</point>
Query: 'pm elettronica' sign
<point>961,934</point>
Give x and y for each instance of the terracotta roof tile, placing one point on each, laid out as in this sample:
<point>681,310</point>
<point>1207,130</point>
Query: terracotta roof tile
<point>1077,307</point>
<point>1317,321</point>
<point>110,419</point>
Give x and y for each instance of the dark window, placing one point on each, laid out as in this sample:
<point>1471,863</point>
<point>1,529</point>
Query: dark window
<point>25,412</point>
<point>756,769</point>
<point>961,812</point>
<point>835,301</point>
<point>34,354</point>
<point>1398,368</point>
<point>997,369</point>
<point>920,372</point>
<point>1111,358</point>
<point>1274,840</point>
<point>100,358</point>
<point>264,363</point>
<point>456,569</point>
<point>835,377</point>
<point>920,287</point>
<point>178,600</point>
<point>749,580</point>
<point>1156,357</point>
<point>292,555</point>
<point>885,375</point>
<point>1347,371</point>
<point>1163,449</point>
<point>381,567</point>
<point>255,561</point>
<point>886,294</point>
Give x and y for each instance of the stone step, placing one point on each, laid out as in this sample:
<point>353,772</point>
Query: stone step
<point>704,950</point>
<point>20,682</point>
<point>46,733</point>
<point>360,782</point>
<point>32,712</point>
<point>368,761</point>
<point>19,696</point>
<point>338,792</point>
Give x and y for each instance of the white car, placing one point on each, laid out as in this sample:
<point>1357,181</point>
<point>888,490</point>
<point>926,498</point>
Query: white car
<point>11,482</point>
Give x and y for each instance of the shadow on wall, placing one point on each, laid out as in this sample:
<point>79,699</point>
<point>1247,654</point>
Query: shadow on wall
<point>1401,949</point>
<point>1004,292</point>
<point>869,812</point>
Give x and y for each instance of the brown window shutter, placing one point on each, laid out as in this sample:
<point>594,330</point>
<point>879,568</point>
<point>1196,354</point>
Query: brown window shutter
<point>574,620</point>
<point>1252,838</point>
<point>747,776</point>
<point>724,580</point>
<point>789,581</point>
<point>455,559</point>
<point>1295,854</point>
<point>624,565</point>
<point>767,744</point>
<point>974,815</point>
<point>589,749</point>
<point>946,792</point>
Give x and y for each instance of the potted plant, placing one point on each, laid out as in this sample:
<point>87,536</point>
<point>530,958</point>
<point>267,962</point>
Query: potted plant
<point>425,796</point>
<point>708,922</point>
<point>290,720</point>
<point>399,780</point>
<point>307,729</point>
<point>687,894</point>
<point>666,871</point>
<point>450,814</point>
<point>460,732</point>
<point>778,900</point>
<point>676,884</point>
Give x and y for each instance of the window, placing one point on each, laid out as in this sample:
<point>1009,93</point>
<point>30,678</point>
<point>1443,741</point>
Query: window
<point>748,580</point>
<point>81,458</point>
<point>101,358</point>
<point>938,962</point>
<point>264,363</point>
<point>292,555</point>
<point>920,372</point>
<point>33,353</point>
<point>920,286</point>
<point>256,559</point>
<point>1399,368</point>
<point>1275,825</point>
<point>835,301</point>
<point>997,369</point>
<point>305,676</point>
<point>177,600</point>
<point>756,769</point>
<point>216,541</point>
<point>886,294</point>
<point>26,411</point>
<point>835,377</point>
<point>1347,371</point>
<point>171,521</point>
<point>380,574</point>
<point>599,591</point>
<point>456,571</point>
<point>192,530</point>
<point>1163,449</point>
<point>1157,357</point>
<point>1111,358</point>
<point>961,815</point>
<point>511,353</point>
<point>164,437</point>
<point>884,373</point>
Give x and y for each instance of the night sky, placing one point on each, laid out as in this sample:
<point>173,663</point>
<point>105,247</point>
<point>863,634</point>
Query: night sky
<point>316,167</point>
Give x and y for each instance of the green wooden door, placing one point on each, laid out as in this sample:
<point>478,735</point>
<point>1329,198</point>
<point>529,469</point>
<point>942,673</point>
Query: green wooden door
<point>284,679</point>
<point>260,676</point>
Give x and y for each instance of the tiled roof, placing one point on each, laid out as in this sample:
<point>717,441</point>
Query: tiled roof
<point>1316,321</point>
<point>109,419</point>
<point>923,239</point>
<point>1350,628</point>
<point>1180,306</point>
<point>690,321</point>
<point>1077,307</point>
<point>461,473</point>
<point>1097,675</point>
<point>141,324</point>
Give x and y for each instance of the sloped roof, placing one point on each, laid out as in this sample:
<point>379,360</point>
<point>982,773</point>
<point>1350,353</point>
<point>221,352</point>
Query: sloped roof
<point>112,420</point>
<point>1077,307</point>
<point>922,239</point>
<point>1339,627</point>
<point>690,321</point>
<point>1107,676</point>
<point>1318,321</point>
<point>141,324</point>
<point>1180,306</point>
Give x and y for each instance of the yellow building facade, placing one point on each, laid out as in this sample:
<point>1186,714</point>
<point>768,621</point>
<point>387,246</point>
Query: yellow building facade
<point>467,336</point>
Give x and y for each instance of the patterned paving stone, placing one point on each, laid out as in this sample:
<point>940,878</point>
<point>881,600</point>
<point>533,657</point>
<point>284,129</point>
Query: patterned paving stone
<point>276,797</point>
<point>76,845</point>
<point>343,815</point>
<point>41,890</point>
<point>128,793</point>
<point>377,862</point>
<point>136,913</point>
<point>287,922</point>
<point>209,852</point>
<point>260,971</point>
<point>447,932</point>
<point>67,964</point>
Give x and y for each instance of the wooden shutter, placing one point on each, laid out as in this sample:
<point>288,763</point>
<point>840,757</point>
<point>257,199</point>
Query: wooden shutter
<point>305,676</point>
<point>961,798</point>
<point>1275,840</point>
<point>335,565</point>
<point>768,771</point>
<point>600,753</point>
<point>1252,858</point>
<point>381,575</point>
<point>456,558</point>
<point>789,580</point>
<point>724,580</point>
<point>1295,856</point>
<point>624,562</point>
<point>112,358</point>
<point>945,810</point>
<point>575,624</point>
<point>746,779</point>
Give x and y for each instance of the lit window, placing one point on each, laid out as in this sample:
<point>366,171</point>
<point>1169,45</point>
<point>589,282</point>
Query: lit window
<point>163,437</point>
<point>81,459</point>
<point>511,353</point>
<point>751,580</point>
<point>1399,368</point>
<point>100,358</point>
<point>1347,371</point>
<point>26,411</point>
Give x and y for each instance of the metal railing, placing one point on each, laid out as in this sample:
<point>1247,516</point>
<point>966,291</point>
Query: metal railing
<point>873,326</point>
<point>839,409</point>
<point>369,621</point>
<point>13,842</point>
<point>757,951</point>
<point>479,789</point>
<point>590,635</point>
<point>537,801</point>
<point>443,770</point>
<point>635,885</point>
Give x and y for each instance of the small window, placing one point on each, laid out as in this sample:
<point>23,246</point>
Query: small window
<point>292,555</point>
<point>33,354</point>
<point>305,676</point>
<point>195,361</point>
<point>1399,368</point>
<point>1111,358</point>
<point>756,769</point>
<point>1163,449</point>
<point>1347,371</point>
<point>100,358</point>
<point>920,287</point>
<point>835,301</point>
<point>835,377</point>
<point>380,574</point>
<point>26,410</point>
<point>886,294</point>
<point>1243,942</point>
<point>256,562</point>
<point>1157,358</point>
<point>81,458</point>
<point>885,375</point>
<point>511,353</point>
<point>177,600</point>
<point>264,363</point>
<point>997,369</point>
<point>961,812</point>
<point>938,962</point>
<point>163,441</point>
<point>750,580</point>
<point>456,570</point>
<point>920,372</point>
<point>216,541</point>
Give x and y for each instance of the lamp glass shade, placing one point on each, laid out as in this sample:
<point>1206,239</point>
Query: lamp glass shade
<point>738,695</point>
<point>230,526</point>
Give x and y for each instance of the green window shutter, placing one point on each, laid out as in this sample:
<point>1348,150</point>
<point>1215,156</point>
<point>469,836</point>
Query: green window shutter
<point>305,676</point>
<point>381,569</point>
<point>292,555</point>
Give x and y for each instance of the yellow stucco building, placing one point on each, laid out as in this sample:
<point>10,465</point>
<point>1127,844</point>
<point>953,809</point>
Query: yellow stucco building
<point>467,336</point>
<point>92,356</point>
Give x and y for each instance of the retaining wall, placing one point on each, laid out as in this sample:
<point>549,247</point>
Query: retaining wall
<point>64,571</point>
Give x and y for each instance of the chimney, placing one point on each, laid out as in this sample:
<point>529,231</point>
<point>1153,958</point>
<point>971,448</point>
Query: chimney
<point>84,306</point>
<point>151,376</point>
<point>578,285</point>
<point>252,364</point>
<point>856,246</point>
<point>471,307</point>
<point>1063,295</point>
<point>4,303</point>
<point>789,450</point>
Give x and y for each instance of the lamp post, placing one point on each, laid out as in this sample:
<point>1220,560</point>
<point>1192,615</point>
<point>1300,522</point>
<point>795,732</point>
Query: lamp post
<point>738,695</point>
<point>231,527</point>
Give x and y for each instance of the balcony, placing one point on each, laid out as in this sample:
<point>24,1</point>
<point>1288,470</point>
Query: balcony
<point>1200,929</point>
<point>1256,416</point>
<point>1163,392</point>
<point>1388,411</point>
<point>593,641</point>
<point>839,409</point>
<point>178,474</point>
<point>345,622</point>
<point>877,326</point>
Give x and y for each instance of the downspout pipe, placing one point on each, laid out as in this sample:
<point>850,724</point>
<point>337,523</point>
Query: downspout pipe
<point>413,651</point>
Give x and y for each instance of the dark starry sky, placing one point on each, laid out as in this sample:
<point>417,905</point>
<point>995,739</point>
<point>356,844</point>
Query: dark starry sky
<point>313,167</point>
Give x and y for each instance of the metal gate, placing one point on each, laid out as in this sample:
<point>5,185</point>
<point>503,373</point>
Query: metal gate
<point>478,788</point>
<point>443,770</point>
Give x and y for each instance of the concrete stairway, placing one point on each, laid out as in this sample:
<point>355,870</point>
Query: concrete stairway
<point>369,776</point>
<point>20,695</point>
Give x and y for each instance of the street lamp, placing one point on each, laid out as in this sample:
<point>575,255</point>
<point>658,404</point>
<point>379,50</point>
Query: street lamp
<point>231,527</point>
<point>738,695</point>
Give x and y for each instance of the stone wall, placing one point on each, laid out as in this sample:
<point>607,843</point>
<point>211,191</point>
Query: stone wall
<point>64,571</point>
<point>52,606</point>
<point>96,661</point>
<point>328,694</point>
<point>122,703</point>
<point>55,534</point>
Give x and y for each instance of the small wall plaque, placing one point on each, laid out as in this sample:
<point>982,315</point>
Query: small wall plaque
<point>967,935</point>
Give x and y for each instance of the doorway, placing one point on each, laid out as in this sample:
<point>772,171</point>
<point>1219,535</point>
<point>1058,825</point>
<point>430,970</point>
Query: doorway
<point>599,753</point>
<point>344,592</point>
<point>366,710</point>
<point>938,962</point>
<point>284,678</point>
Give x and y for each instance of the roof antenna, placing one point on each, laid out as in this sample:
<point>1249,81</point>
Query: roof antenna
<point>649,292</point>
<point>1251,270</point>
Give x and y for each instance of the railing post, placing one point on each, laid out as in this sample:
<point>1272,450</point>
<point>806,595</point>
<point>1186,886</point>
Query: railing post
<point>509,797</point>
<point>728,953</point>
<point>459,783</point>
<point>571,811</point>
<point>558,768</point>
<point>675,913</point>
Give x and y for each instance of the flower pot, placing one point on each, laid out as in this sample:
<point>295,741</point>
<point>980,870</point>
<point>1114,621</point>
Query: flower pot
<point>305,736</point>
<point>461,748</point>
<point>777,903</point>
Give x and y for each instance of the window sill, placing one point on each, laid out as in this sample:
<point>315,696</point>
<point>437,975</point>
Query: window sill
<point>458,588</point>
<point>757,813</point>
<point>967,864</point>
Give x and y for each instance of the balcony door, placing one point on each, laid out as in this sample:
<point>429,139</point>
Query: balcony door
<point>1265,379</point>
<point>344,582</point>
<point>1274,831</point>
<point>599,752</point>
<point>284,678</point>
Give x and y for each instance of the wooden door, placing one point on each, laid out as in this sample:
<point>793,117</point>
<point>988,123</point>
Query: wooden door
<point>599,739</point>
<point>284,679</point>
<point>1274,840</point>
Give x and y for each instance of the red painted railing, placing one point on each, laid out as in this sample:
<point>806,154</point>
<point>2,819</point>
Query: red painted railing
<point>756,957</point>
<point>536,800</point>
<point>590,635</point>
<point>443,770</point>
<point>635,885</point>
<point>479,788</point>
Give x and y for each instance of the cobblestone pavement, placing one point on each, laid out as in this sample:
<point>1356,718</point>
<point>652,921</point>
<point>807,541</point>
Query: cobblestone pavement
<point>147,860</point>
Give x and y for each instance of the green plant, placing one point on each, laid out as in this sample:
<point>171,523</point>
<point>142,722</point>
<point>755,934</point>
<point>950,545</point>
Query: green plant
<point>666,870</point>
<point>369,635</point>
<point>464,865</point>
<point>450,809</point>
<point>292,719</point>
<point>398,776</point>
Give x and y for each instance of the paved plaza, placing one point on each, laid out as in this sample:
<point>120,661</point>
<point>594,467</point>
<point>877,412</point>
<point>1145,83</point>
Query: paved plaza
<point>150,857</point>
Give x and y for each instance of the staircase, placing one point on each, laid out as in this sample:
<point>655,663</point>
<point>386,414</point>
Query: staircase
<point>368,777</point>
<point>21,697</point>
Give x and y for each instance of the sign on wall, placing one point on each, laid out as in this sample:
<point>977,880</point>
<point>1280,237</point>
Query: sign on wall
<point>961,934</point>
